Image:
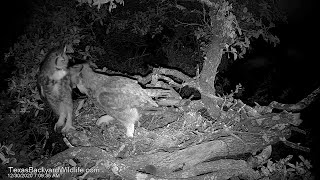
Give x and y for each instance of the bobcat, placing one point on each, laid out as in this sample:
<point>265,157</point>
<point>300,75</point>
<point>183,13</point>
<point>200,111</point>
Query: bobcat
<point>54,82</point>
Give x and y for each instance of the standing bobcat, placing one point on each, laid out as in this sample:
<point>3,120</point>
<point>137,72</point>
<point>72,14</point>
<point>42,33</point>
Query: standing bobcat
<point>55,86</point>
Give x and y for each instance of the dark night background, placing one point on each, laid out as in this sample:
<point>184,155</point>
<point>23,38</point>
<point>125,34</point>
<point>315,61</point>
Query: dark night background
<point>296,56</point>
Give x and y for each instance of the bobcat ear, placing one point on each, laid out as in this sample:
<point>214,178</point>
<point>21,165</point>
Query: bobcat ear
<point>65,49</point>
<point>68,48</point>
<point>41,91</point>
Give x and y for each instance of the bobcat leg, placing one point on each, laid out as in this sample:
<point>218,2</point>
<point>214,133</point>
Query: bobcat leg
<point>68,124</point>
<point>60,121</point>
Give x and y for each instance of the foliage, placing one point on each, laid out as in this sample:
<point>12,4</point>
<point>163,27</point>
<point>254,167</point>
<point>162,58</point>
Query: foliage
<point>6,150</point>
<point>240,24</point>
<point>283,169</point>
<point>255,19</point>
<point>98,3</point>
